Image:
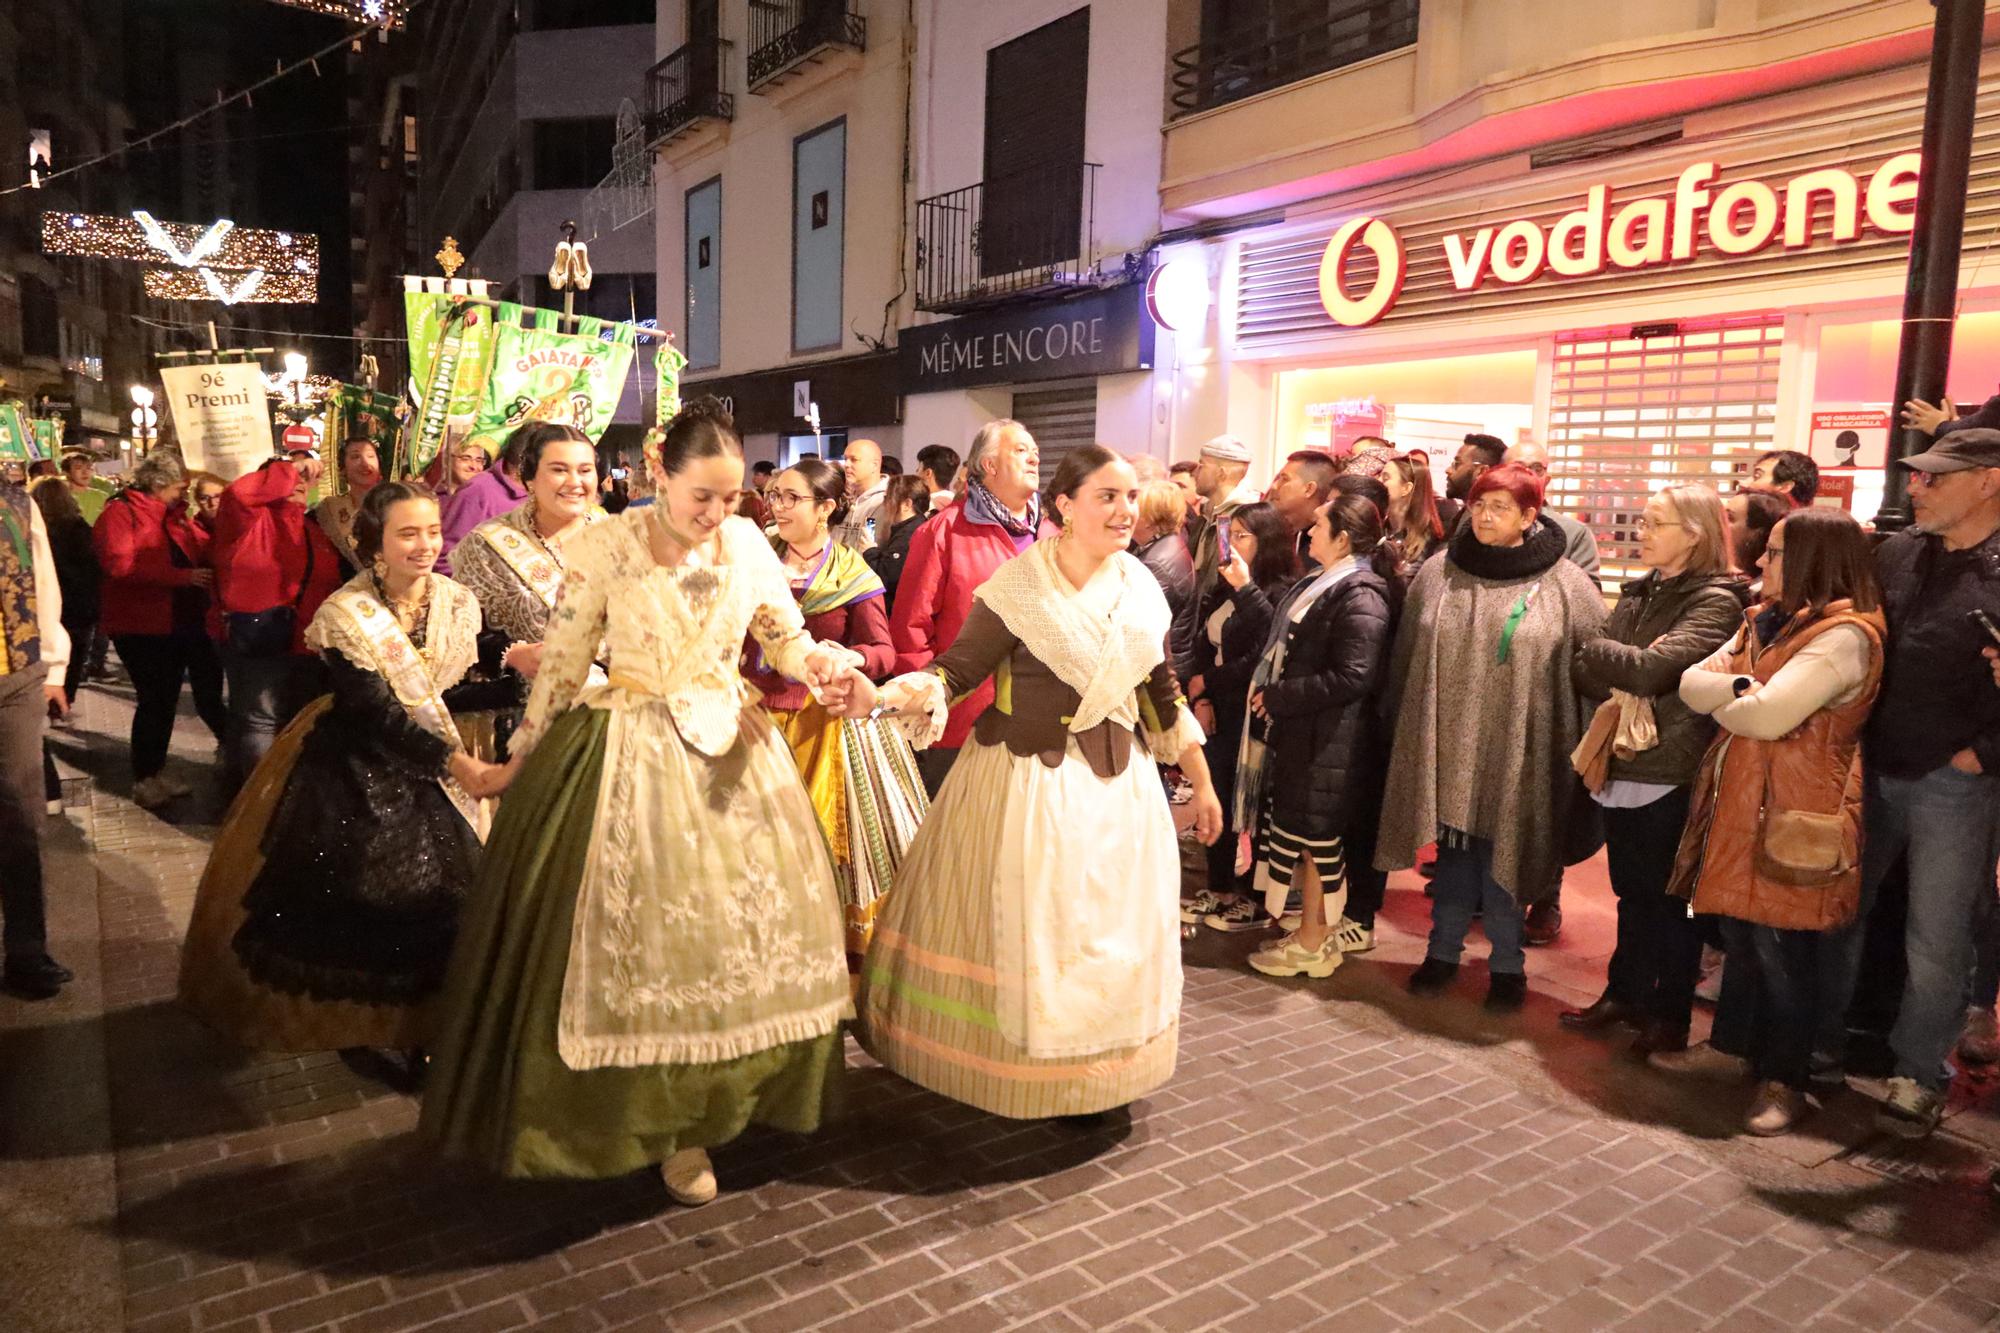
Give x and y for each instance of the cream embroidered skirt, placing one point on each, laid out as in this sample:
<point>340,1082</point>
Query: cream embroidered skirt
<point>1027,961</point>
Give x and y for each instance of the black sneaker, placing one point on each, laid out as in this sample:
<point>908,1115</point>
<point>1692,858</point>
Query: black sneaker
<point>36,976</point>
<point>1242,914</point>
<point>1506,992</point>
<point>1433,977</point>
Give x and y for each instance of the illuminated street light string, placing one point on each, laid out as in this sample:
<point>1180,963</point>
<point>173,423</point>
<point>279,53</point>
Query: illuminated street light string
<point>242,94</point>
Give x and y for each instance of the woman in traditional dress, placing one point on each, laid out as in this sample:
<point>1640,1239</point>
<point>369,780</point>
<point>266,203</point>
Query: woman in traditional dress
<point>1028,959</point>
<point>652,959</point>
<point>330,902</point>
<point>860,774</point>
<point>514,563</point>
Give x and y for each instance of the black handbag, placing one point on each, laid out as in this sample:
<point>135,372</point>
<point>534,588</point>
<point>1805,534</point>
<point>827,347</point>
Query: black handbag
<point>269,633</point>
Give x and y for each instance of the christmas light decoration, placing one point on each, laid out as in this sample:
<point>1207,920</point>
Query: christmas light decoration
<point>257,287</point>
<point>221,245</point>
<point>358,11</point>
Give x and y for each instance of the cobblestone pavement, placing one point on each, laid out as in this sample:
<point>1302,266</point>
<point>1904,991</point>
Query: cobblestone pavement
<point>1331,1154</point>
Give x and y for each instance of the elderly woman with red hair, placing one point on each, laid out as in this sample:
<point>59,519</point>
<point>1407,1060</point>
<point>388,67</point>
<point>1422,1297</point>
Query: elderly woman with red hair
<point>1485,724</point>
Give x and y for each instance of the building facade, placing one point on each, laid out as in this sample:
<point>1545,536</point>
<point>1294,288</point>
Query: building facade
<point>519,124</point>
<point>1660,238</point>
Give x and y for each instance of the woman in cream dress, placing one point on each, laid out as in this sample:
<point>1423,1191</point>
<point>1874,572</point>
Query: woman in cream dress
<point>1027,960</point>
<point>652,959</point>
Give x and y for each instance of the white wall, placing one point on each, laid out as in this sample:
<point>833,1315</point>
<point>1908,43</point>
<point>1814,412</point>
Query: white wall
<point>1128,64</point>
<point>753,156</point>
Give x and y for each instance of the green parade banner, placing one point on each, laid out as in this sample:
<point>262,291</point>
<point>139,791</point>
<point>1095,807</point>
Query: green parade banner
<point>541,373</point>
<point>18,442</point>
<point>451,355</point>
<point>49,434</point>
<point>668,363</point>
<point>357,412</point>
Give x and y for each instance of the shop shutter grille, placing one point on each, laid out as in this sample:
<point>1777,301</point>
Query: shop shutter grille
<point>1631,416</point>
<point>1059,419</point>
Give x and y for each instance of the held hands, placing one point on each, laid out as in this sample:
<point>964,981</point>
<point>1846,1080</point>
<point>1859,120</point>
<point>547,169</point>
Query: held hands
<point>1920,415</point>
<point>853,695</point>
<point>480,779</point>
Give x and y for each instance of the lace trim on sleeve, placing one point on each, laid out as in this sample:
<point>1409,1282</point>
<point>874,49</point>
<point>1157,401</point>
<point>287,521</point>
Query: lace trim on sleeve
<point>1167,746</point>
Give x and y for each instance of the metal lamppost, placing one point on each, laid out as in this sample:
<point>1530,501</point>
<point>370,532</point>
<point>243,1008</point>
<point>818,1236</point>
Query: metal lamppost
<point>1930,300</point>
<point>145,421</point>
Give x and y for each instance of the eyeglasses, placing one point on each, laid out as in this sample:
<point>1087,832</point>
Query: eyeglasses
<point>786,499</point>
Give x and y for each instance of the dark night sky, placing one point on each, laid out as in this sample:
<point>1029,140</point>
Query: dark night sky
<point>279,163</point>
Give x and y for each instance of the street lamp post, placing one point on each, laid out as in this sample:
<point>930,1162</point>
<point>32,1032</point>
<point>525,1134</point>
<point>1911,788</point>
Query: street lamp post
<point>145,421</point>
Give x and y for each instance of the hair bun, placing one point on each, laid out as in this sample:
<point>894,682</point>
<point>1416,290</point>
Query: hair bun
<point>704,407</point>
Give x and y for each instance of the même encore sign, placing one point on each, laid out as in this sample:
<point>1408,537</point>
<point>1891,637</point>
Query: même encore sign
<point>1737,219</point>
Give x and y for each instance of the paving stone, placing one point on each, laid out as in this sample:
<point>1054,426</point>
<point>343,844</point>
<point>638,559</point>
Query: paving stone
<point>1339,1156</point>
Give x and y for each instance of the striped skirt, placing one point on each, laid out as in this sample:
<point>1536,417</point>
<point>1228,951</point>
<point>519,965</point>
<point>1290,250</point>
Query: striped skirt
<point>1279,854</point>
<point>1076,869</point>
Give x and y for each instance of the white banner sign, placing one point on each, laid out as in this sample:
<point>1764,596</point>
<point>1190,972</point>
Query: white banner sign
<point>221,415</point>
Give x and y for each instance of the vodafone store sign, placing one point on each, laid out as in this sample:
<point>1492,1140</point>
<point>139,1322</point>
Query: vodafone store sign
<point>1827,206</point>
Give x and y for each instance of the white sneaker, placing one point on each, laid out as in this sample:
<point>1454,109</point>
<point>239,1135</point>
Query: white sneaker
<point>689,1177</point>
<point>1353,937</point>
<point>1911,1110</point>
<point>1292,959</point>
<point>55,806</point>
<point>1290,922</point>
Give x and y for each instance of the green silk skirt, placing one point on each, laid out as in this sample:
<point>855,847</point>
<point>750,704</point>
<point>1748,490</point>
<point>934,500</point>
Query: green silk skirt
<point>497,1091</point>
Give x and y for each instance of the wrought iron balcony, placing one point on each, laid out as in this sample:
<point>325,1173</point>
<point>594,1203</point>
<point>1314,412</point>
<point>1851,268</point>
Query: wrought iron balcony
<point>686,89</point>
<point>788,35</point>
<point>1027,233</point>
<point>1260,47</point>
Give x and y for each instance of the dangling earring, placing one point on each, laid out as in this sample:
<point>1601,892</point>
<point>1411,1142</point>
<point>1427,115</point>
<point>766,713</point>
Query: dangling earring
<point>1067,524</point>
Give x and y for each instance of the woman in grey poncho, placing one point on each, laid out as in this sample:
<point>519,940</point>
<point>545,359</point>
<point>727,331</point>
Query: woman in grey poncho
<point>1485,726</point>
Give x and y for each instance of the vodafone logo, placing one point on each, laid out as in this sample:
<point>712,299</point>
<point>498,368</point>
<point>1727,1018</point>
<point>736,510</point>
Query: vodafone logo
<point>1392,266</point>
<point>1830,205</point>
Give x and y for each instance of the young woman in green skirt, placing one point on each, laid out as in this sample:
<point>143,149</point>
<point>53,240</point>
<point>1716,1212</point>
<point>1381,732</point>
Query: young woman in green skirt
<point>652,958</point>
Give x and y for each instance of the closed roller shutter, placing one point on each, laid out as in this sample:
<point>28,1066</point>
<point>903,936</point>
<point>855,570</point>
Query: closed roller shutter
<point>1059,419</point>
<point>1630,416</point>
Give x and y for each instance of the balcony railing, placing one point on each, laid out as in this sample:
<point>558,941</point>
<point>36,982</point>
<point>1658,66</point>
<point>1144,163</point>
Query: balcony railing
<point>786,34</point>
<point>686,89</point>
<point>1029,232</point>
<point>1261,47</point>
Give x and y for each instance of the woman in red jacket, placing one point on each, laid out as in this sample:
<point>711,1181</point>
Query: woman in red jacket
<point>155,610</point>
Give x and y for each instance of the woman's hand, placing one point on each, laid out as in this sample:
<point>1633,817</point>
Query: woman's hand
<point>1993,660</point>
<point>469,772</point>
<point>1257,705</point>
<point>1235,570</point>
<point>1207,814</point>
<point>1965,761</point>
<point>858,693</point>
<point>1204,713</point>
<point>525,658</point>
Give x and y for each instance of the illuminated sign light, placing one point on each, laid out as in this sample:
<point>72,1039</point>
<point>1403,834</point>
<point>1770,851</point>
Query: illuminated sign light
<point>254,288</point>
<point>1738,219</point>
<point>142,239</point>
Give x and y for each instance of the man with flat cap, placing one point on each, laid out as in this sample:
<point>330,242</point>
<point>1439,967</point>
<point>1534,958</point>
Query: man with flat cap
<point>1221,478</point>
<point>1931,757</point>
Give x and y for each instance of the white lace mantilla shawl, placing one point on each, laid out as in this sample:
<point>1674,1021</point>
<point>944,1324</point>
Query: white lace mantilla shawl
<point>1103,657</point>
<point>349,621</point>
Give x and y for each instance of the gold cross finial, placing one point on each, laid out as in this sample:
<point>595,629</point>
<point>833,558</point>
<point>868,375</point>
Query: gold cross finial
<point>448,258</point>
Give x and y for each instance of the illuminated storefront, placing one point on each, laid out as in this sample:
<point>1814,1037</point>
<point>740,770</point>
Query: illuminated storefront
<point>1658,308</point>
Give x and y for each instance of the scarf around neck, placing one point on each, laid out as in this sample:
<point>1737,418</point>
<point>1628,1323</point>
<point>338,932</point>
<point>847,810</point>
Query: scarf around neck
<point>982,506</point>
<point>1537,554</point>
<point>841,576</point>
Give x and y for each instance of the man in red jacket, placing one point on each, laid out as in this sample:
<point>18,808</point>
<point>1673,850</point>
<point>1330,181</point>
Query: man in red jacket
<point>273,567</point>
<point>954,552</point>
